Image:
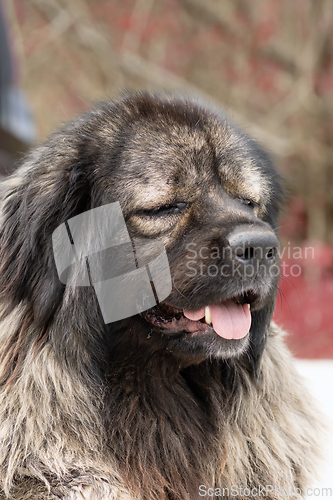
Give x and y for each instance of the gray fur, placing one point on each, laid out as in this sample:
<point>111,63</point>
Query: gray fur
<point>117,412</point>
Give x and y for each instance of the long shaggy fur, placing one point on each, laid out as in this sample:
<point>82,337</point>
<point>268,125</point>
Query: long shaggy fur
<point>99,411</point>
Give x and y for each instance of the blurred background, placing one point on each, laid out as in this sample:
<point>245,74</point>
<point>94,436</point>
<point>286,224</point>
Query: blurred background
<point>269,63</point>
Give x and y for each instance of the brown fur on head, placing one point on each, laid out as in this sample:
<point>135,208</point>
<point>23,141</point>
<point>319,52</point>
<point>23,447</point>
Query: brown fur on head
<point>155,405</point>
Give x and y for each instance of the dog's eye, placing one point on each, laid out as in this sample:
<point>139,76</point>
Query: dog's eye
<point>170,209</point>
<point>249,202</point>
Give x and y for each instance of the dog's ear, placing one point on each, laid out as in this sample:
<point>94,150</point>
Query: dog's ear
<point>41,199</point>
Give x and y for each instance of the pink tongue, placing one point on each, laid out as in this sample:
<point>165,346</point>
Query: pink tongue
<point>229,320</point>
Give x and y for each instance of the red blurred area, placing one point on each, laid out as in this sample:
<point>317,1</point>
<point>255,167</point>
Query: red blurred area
<point>305,300</point>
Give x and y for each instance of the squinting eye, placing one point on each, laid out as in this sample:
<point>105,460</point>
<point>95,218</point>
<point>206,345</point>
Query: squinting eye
<point>170,209</point>
<point>250,203</point>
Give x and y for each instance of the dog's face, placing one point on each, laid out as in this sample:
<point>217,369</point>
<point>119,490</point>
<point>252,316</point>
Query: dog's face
<point>186,177</point>
<point>192,181</point>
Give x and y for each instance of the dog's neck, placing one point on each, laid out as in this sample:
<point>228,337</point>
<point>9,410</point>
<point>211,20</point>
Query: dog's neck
<point>153,398</point>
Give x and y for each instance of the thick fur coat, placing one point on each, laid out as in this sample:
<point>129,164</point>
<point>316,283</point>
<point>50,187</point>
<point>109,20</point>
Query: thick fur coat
<point>139,409</point>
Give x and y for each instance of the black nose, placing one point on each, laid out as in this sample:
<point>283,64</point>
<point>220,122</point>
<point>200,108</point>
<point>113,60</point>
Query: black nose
<point>251,245</point>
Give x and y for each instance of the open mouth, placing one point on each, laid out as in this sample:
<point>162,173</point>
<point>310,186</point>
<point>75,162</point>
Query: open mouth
<point>230,319</point>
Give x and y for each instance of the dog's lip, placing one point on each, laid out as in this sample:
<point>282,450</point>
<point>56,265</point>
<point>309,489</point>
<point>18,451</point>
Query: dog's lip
<point>175,324</point>
<point>171,320</point>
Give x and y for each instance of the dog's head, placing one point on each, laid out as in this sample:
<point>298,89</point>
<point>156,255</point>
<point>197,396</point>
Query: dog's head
<point>183,176</point>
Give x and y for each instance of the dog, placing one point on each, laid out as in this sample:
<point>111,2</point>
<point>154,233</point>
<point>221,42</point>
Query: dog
<point>139,272</point>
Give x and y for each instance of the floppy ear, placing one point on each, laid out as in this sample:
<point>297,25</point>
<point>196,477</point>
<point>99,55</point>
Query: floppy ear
<point>40,200</point>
